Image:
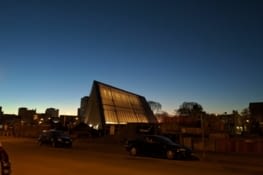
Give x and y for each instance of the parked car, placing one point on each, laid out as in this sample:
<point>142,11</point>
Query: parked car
<point>55,138</point>
<point>5,162</point>
<point>157,146</point>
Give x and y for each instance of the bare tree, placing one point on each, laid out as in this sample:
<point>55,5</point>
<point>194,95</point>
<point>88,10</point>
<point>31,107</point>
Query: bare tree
<point>245,112</point>
<point>155,106</point>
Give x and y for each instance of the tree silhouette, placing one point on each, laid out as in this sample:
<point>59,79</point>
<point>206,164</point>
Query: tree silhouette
<point>192,109</point>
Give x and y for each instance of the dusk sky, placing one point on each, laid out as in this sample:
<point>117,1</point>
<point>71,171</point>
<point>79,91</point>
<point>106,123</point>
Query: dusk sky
<point>169,51</point>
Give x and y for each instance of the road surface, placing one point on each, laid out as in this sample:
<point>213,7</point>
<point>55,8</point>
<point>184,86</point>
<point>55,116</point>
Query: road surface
<point>105,159</point>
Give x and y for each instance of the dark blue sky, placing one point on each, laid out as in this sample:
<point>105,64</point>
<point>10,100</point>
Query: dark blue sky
<point>169,51</point>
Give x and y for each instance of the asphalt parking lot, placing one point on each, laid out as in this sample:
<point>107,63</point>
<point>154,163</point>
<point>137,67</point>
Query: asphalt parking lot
<point>109,157</point>
<point>235,159</point>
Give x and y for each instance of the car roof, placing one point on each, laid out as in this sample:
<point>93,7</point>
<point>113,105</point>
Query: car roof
<point>155,135</point>
<point>160,137</point>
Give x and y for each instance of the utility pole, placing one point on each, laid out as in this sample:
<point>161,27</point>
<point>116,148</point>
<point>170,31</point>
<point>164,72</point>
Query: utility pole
<point>203,134</point>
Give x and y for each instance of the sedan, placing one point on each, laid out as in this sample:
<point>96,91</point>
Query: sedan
<point>55,138</point>
<point>157,146</point>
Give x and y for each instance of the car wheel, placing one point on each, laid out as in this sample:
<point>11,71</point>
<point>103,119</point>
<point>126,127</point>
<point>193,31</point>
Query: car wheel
<point>133,151</point>
<point>170,154</point>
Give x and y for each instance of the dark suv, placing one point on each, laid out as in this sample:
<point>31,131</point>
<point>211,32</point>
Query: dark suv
<point>55,138</point>
<point>157,145</point>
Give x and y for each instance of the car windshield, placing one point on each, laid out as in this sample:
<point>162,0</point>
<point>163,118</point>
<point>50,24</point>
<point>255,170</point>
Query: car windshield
<point>60,134</point>
<point>163,139</point>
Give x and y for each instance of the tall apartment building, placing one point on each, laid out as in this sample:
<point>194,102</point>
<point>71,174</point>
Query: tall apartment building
<point>1,115</point>
<point>52,112</point>
<point>26,115</point>
<point>83,105</point>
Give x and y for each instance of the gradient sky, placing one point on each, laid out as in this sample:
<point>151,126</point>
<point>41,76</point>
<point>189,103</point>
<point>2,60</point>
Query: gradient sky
<point>169,51</point>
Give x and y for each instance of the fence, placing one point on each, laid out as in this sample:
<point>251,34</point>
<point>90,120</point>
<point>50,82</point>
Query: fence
<point>224,145</point>
<point>240,145</point>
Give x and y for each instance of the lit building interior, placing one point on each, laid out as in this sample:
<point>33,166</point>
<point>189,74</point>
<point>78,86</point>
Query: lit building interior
<point>109,105</point>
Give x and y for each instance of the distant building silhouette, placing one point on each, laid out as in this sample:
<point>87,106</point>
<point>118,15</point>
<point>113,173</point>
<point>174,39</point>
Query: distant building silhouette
<point>1,112</point>
<point>83,106</point>
<point>256,110</point>
<point>52,112</point>
<point>1,116</point>
<point>256,113</point>
<point>27,116</point>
